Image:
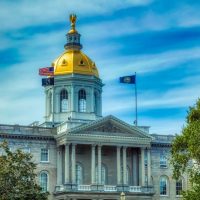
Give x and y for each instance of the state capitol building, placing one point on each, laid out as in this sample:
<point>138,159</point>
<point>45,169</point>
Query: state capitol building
<point>81,154</point>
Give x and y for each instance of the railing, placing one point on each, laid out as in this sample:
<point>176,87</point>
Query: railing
<point>110,188</point>
<point>105,188</point>
<point>163,138</point>
<point>84,187</point>
<point>134,188</point>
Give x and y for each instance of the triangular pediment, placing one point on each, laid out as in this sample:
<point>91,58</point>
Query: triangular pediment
<point>110,126</point>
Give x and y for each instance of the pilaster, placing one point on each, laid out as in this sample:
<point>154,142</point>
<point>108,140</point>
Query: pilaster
<point>59,166</point>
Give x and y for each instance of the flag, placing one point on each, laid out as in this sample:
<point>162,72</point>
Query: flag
<point>128,79</point>
<point>47,81</point>
<point>46,71</point>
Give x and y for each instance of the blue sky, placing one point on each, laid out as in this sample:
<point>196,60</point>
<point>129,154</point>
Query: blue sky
<point>160,40</point>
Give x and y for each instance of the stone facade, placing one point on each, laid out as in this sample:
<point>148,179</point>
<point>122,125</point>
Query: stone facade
<point>98,160</point>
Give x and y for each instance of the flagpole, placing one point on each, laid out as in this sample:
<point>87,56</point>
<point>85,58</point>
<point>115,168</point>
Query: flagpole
<point>136,115</point>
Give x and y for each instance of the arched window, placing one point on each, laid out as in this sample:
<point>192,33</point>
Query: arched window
<point>179,187</point>
<point>95,102</point>
<point>163,185</point>
<point>82,101</point>
<point>79,174</point>
<point>44,181</point>
<point>103,174</point>
<point>63,101</point>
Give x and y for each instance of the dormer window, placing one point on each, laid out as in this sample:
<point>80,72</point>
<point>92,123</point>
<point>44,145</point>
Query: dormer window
<point>64,62</point>
<point>82,63</point>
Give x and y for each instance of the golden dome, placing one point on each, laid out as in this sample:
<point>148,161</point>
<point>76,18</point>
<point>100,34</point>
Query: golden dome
<point>74,61</point>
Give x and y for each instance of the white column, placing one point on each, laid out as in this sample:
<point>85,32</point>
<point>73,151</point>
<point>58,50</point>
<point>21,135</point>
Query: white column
<point>99,164</point>
<point>118,166</point>
<point>93,164</point>
<point>142,167</point>
<point>124,166</point>
<point>135,168</point>
<point>59,166</point>
<point>57,103</point>
<point>149,166</point>
<point>73,161</point>
<point>46,103</point>
<point>67,163</point>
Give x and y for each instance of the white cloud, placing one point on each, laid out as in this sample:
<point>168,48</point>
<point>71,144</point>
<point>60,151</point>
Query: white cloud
<point>124,65</point>
<point>18,14</point>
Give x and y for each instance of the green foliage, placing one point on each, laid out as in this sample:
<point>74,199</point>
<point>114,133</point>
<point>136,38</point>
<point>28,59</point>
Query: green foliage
<point>186,152</point>
<point>17,176</point>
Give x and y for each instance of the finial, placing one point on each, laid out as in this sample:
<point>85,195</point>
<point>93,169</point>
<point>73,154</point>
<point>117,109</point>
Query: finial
<point>73,18</point>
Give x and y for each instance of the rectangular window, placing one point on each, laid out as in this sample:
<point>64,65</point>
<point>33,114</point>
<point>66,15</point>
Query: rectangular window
<point>44,155</point>
<point>179,187</point>
<point>163,161</point>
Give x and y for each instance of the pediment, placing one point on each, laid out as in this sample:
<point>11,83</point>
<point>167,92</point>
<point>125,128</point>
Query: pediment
<point>110,126</point>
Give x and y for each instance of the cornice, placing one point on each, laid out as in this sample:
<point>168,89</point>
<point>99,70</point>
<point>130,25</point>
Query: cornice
<point>28,137</point>
<point>135,141</point>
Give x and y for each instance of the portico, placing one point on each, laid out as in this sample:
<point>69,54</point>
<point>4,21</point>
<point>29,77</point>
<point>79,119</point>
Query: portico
<point>101,162</point>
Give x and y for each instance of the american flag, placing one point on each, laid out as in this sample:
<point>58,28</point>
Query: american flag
<point>46,71</point>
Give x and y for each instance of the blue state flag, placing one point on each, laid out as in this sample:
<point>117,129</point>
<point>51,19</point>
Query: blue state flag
<point>128,79</point>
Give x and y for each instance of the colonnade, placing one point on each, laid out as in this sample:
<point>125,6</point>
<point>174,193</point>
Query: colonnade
<point>121,165</point>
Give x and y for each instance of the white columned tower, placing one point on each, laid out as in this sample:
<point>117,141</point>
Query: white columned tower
<point>76,96</point>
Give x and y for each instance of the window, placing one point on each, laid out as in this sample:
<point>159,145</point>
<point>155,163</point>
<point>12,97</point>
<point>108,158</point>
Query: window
<point>179,187</point>
<point>79,174</point>
<point>163,160</point>
<point>63,101</point>
<point>163,185</point>
<point>82,101</point>
<point>44,155</point>
<point>103,174</point>
<point>44,181</point>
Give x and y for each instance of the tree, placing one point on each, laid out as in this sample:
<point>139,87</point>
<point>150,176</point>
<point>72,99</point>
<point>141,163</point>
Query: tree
<point>17,176</point>
<point>186,153</point>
